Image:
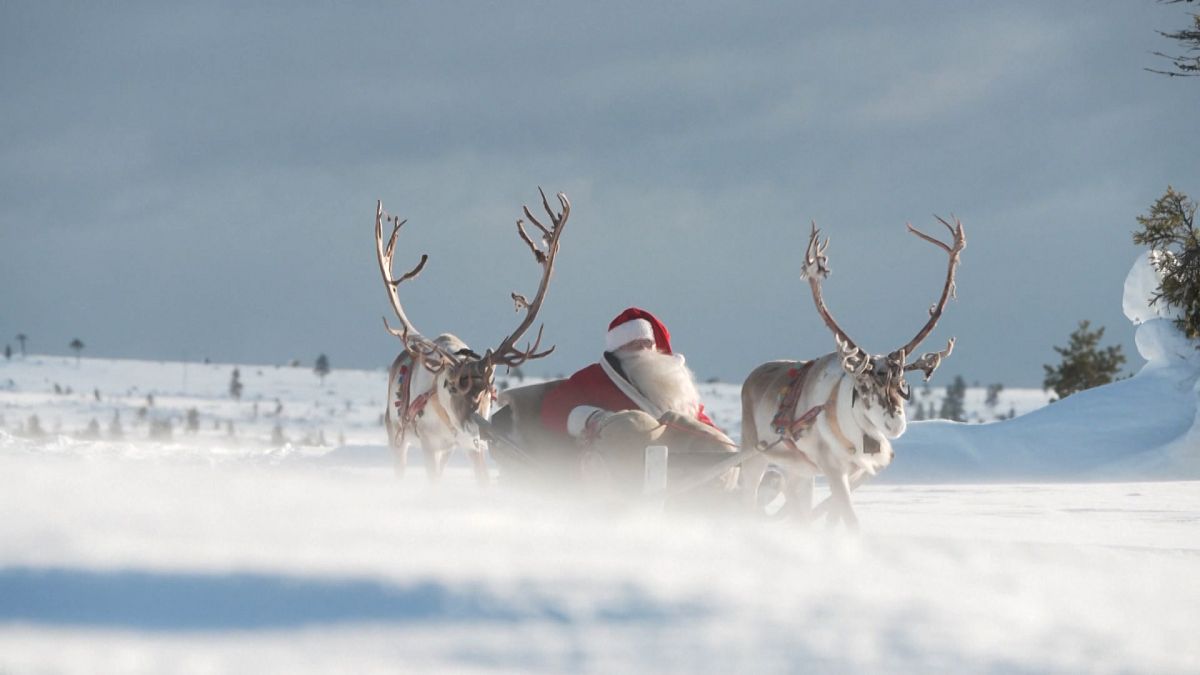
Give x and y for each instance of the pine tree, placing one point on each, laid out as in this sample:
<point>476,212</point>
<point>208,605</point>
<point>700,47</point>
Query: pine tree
<point>322,367</point>
<point>953,405</point>
<point>1188,63</point>
<point>235,384</point>
<point>993,395</point>
<point>77,347</point>
<point>1084,365</point>
<point>21,338</point>
<point>7,352</point>
<point>1170,230</point>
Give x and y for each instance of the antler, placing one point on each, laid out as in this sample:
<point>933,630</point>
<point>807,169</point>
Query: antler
<point>929,362</point>
<point>815,270</point>
<point>507,353</point>
<point>434,357</point>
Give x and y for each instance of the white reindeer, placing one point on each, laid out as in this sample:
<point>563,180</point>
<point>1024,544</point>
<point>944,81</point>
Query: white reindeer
<point>835,415</point>
<point>435,386</point>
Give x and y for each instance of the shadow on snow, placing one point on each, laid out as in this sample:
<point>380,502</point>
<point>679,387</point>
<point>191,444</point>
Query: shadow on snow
<point>166,601</point>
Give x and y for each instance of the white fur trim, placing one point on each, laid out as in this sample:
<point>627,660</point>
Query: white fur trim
<point>578,417</point>
<point>623,334</point>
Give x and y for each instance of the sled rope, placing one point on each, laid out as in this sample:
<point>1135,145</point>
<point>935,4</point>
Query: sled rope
<point>714,471</point>
<point>485,426</point>
<point>696,432</point>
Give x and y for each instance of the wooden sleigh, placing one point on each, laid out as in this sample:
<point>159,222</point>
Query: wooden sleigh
<point>529,454</point>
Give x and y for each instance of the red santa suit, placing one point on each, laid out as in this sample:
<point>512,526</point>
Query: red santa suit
<point>603,385</point>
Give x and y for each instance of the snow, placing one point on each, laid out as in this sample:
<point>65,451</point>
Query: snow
<point>166,566</point>
<point>1157,339</point>
<point>1144,427</point>
<point>1064,540</point>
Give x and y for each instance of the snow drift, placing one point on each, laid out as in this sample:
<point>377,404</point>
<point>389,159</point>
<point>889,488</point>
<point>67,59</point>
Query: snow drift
<point>1144,427</point>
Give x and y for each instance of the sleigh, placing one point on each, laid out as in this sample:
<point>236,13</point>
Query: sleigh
<point>528,454</point>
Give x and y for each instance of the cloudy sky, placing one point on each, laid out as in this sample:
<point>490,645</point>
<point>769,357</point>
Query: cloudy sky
<point>200,182</point>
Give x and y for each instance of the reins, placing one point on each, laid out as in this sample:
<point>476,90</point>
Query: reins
<point>696,432</point>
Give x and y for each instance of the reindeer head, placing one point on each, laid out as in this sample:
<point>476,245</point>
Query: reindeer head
<point>466,380</point>
<point>879,382</point>
<point>467,385</point>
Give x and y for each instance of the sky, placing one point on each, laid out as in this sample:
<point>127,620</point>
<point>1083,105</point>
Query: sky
<point>192,182</point>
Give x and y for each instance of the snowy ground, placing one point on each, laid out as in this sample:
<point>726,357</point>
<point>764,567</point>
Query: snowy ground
<point>212,552</point>
<point>150,566</point>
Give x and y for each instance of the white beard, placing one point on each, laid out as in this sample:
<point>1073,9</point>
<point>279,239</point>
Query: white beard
<point>664,379</point>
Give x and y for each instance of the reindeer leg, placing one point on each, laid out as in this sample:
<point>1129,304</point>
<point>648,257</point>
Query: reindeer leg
<point>839,488</point>
<point>750,473</point>
<point>443,459</point>
<point>400,459</point>
<point>750,478</point>
<point>434,464</point>
<point>482,477</point>
<point>801,499</point>
<point>837,505</point>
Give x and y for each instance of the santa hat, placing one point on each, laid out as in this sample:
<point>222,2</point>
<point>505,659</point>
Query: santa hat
<point>637,324</point>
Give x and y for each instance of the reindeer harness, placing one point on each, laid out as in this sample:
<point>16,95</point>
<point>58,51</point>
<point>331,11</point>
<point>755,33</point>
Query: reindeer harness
<point>408,409</point>
<point>790,428</point>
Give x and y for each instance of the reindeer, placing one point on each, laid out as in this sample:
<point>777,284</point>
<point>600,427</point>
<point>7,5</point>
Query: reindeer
<point>436,386</point>
<point>835,415</point>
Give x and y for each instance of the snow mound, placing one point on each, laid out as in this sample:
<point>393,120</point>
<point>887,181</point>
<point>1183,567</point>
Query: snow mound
<point>1157,338</point>
<point>1144,427</point>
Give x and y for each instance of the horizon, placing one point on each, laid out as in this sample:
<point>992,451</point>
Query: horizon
<point>309,364</point>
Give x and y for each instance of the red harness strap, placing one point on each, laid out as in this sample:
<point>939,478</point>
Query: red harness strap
<point>417,407</point>
<point>408,408</point>
<point>785,423</point>
<point>789,427</point>
<point>403,375</point>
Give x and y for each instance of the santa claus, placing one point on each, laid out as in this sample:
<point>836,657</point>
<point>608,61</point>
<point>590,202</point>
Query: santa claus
<point>637,372</point>
<point>640,393</point>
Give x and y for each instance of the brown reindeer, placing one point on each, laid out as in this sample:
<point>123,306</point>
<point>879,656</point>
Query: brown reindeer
<point>834,415</point>
<point>435,386</point>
